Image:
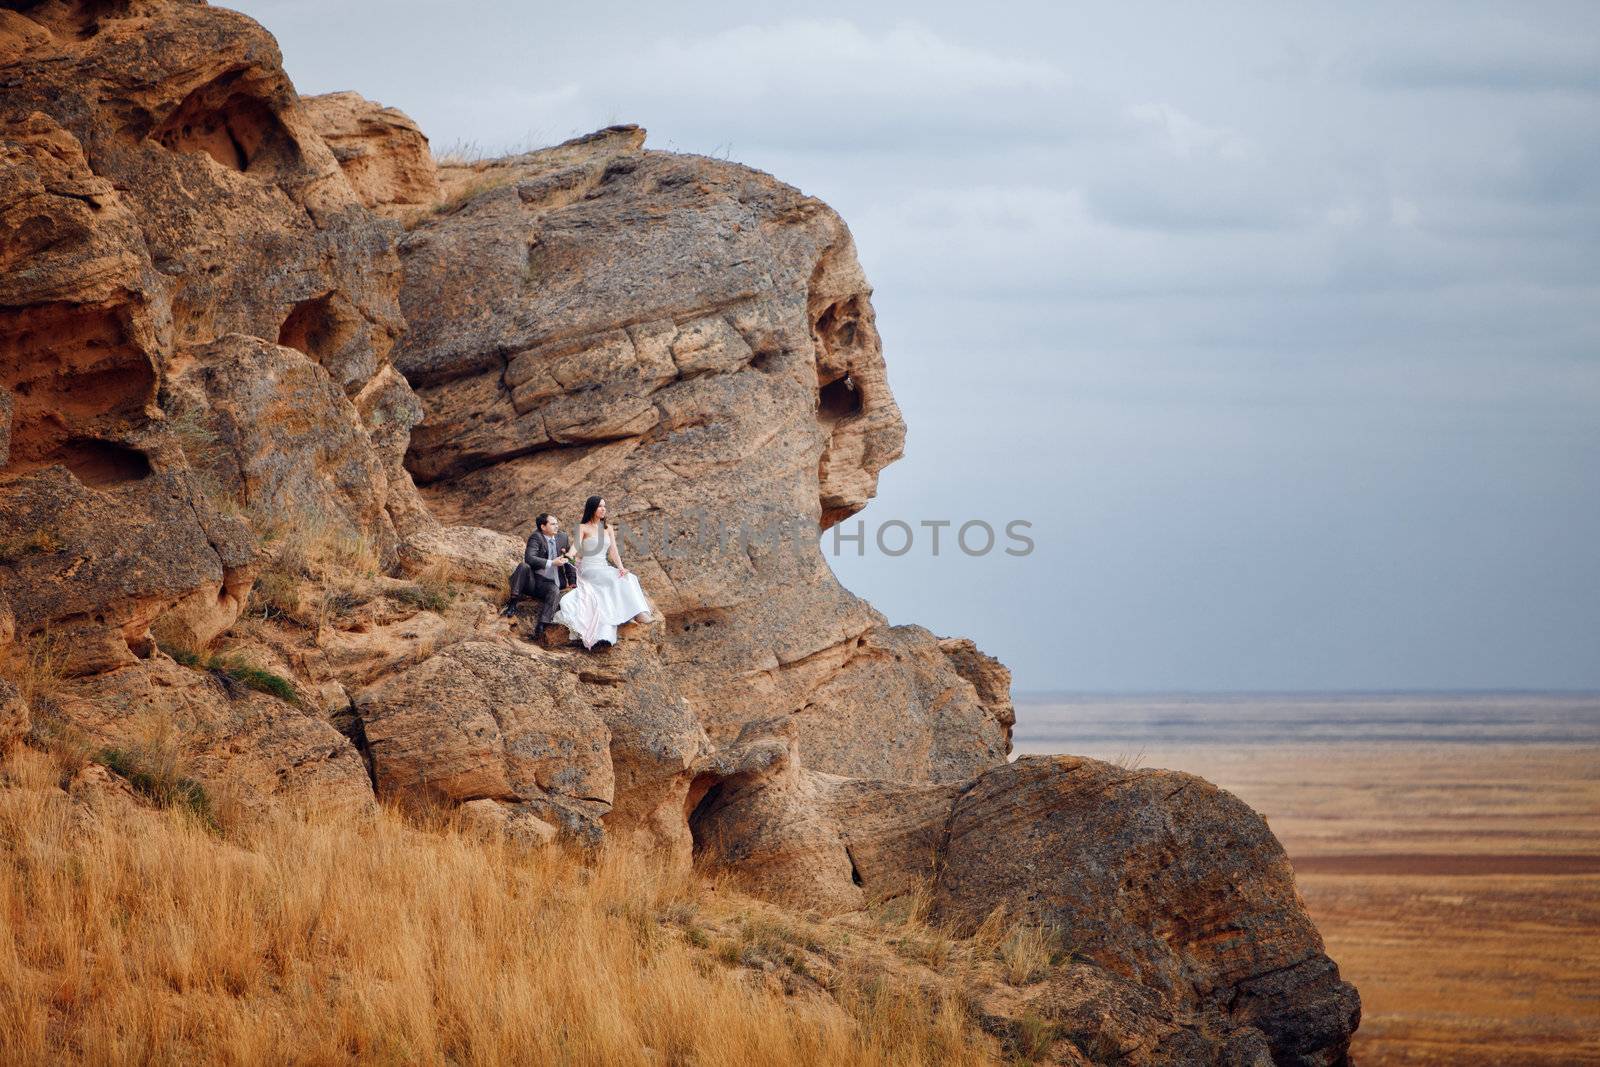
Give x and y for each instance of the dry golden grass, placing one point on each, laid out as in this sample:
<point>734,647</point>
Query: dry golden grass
<point>35,665</point>
<point>149,937</point>
<point>302,561</point>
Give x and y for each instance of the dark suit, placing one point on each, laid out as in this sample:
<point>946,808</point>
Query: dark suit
<point>542,585</point>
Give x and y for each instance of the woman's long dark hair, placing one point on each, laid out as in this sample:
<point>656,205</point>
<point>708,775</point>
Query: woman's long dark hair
<point>590,506</point>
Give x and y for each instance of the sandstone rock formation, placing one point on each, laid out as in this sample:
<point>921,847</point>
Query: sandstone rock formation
<point>695,341</point>
<point>1170,896</point>
<point>171,217</point>
<point>381,151</point>
<point>485,720</point>
<point>268,452</point>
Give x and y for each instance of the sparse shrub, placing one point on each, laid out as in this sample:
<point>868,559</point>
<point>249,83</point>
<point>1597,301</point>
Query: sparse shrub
<point>202,448</point>
<point>258,678</point>
<point>62,740</point>
<point>232,671</point>
<point>461,153</point>
<point>423,598</point>
<point>184,656</point>
<point>1034,1036</point>
<point>33,543</point>
<point>158,782</point>
<point>310,549</point>
<point>37,666</point>
<point>931,949</point>
<point>153,764</point>
<point>199,443</point>
<point>338,602</point>
<point>1028,951</point>
<point>482,183</point>
<point>275,595</point>
<point>992,931</point>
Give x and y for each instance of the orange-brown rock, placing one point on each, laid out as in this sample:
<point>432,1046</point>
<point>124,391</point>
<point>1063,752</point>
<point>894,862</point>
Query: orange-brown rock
<point>242,209</point>
<point>168,207</point>
<point>1175,907</point>
<point>1161,879</point>
<point>656,741</point>
<point>235,741</point>
<point>279,438</point>
<point>82,319</point>
<point>105,561</point>
<point>496,818</point>
<point>816,840</point>
<point>381,151</point>
<point>199,301</point>
<point>487,720</point>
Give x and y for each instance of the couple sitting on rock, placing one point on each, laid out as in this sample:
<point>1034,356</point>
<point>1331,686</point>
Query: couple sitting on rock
<point>588,591</point>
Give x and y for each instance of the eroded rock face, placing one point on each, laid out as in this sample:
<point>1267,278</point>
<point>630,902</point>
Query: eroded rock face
<point>242,209</point>
<point>104,562</point>
<point>1186,941</point>
<point>252,747</point>
<point>695,341</point>
<point>168,207</point>
<point>490,721</point>
<point>273,427</point>
<point>82,315</point>
<point>381,151</point>
<point>656,742</point>
<point>1158,877</point>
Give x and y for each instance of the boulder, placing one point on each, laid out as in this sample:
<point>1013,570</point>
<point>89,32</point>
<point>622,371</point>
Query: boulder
<point>106,561</point>
<point>382,152</point>
<point>1158,877</point>
<point>250,746</point>
<point>280,439</point>
<point>485,720</point>
<point>656,742</point>
<point>496,818</point>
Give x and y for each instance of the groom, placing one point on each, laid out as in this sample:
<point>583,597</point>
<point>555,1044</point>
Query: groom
<point>549,558</point>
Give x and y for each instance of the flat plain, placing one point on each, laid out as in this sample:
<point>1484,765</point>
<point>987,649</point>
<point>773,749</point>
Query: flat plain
<point>1447,845</point>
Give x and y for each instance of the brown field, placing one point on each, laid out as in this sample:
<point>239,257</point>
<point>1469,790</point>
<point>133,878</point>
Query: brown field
<point>1457,885</point>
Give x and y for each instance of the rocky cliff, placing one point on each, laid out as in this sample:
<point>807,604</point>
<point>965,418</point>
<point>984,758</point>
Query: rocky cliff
<point>280,396</point>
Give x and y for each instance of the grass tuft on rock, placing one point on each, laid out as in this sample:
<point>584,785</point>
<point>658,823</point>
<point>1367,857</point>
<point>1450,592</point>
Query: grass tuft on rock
<point>233,671</point>
<point>159,782</point>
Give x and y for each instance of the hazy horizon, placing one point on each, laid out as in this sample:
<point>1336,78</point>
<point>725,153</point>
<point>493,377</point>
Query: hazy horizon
<point>1279,324</point>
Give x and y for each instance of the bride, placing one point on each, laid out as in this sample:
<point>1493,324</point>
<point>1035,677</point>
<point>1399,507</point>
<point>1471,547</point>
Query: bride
<point>607,594</point>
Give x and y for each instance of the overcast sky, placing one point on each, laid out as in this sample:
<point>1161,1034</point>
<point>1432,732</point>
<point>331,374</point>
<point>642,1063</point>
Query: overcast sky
<point>1280,323</point>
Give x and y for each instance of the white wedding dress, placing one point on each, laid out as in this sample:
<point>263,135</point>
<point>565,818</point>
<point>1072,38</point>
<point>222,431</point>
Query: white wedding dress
<point>603,598</point>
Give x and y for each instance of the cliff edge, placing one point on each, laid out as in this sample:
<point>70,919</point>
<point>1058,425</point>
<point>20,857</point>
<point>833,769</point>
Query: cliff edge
<point>279,398</point>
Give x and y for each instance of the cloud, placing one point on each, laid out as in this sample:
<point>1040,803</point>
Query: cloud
<point>835,58</point>
<point>1507,58</point>
<point>819,85</point>
<point>1188,136</point>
